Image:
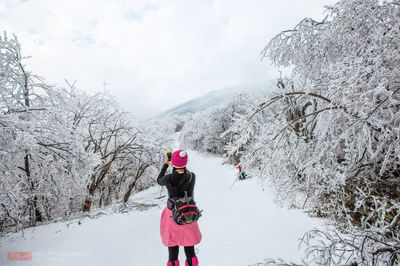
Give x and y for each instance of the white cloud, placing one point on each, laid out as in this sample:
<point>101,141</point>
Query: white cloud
<point>154,54</point>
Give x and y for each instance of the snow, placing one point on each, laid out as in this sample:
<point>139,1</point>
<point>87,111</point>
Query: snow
<point>241,225</point>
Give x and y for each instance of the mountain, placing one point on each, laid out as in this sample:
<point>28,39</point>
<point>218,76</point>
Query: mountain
<point>212,98</point>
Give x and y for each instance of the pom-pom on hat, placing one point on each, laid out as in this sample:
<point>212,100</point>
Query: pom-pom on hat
<point>179,159</point>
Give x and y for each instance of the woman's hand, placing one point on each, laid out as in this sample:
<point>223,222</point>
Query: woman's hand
<point>166,160</point>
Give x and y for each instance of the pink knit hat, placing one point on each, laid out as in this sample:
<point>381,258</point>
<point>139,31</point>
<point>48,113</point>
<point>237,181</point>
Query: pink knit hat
<point>179,159</point>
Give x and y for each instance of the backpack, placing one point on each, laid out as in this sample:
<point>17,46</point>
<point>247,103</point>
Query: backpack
<point>184,210</point>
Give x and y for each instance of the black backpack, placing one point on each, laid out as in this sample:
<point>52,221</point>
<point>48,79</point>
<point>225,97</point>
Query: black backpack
<point>184,210</point>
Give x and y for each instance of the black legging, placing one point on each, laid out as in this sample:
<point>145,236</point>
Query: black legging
<point>174,252</point>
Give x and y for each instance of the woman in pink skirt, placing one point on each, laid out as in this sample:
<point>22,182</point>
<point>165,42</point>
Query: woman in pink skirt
<point>172,234</point>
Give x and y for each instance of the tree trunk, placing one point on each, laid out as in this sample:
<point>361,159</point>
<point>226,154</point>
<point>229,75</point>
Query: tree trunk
<point>89,199</point>
<point>139,173</point>
<point>87,205</point>
<point>96,182</point>
<point>37,215</point>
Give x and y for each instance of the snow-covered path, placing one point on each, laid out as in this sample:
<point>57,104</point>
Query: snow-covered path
<point>241,225</point>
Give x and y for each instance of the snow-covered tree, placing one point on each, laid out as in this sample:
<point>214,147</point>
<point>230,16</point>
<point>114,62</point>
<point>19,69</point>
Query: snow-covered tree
<point>332,129</point>
<point>41,161</point>
<point>61,148</point>
<point>203,130</point>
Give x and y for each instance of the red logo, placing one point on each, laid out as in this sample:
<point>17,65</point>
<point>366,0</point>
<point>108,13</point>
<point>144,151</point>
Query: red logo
<point>18,255</point>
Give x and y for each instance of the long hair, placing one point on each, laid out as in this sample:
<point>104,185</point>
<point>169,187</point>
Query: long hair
<point>174,169</point>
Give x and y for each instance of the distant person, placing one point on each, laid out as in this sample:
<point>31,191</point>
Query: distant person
<point>242,174</point>
<point>174,235</point>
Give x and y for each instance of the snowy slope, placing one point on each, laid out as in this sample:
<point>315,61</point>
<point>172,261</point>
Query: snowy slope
<point>240,225</point>
<point>212,98</point>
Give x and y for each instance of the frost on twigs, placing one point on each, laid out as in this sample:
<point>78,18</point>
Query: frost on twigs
<point>203,131</point>
<point>129,206</point>
<point>332,130</point>
<point>273,262</point>
<point>349,248</point>
<point>63,151</point>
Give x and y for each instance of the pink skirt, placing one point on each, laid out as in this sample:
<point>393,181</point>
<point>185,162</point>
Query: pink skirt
<point>173,234</point>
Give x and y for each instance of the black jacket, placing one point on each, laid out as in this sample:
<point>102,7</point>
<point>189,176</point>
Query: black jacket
<point>177,183</point>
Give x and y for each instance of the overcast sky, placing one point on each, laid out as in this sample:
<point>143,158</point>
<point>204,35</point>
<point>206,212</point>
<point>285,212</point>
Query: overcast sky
<point>152,54</point>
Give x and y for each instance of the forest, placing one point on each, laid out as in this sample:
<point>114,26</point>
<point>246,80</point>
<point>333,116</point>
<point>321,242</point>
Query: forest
<point>64,152</point>
<point>326,139</point>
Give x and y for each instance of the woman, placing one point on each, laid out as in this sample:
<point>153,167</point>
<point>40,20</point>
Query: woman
<point>172,234</point>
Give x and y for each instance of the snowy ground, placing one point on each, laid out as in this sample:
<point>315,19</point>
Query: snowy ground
<point>241,225</point>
